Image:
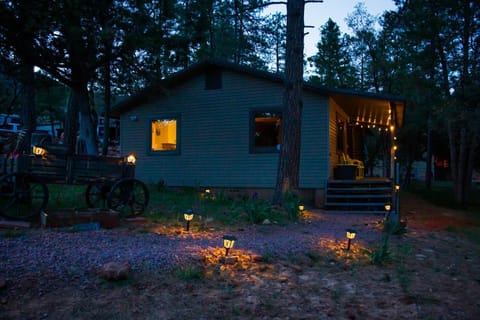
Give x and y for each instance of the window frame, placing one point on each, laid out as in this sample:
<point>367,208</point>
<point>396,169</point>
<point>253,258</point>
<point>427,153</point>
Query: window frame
<point>253,148</point>
<point>164,116</point>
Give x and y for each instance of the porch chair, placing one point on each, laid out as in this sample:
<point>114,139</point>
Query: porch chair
<point>360,171</point>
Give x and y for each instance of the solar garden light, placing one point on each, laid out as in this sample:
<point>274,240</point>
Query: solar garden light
<point>188,216</point>
<point>350,236</point>
<point>39,151</point>
<point>388,207</point>
<point>228,242</point>
<point>301,208</point>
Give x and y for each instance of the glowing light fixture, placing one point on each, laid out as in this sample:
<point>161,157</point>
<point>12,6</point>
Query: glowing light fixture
<point>350,236</point>
<point>188,216</point>
<point>301,208</point>
<point>131,159</point>
<point>388,207</point>
<point>397,188</point>
<point>39,151</point>
<point>228,242</point>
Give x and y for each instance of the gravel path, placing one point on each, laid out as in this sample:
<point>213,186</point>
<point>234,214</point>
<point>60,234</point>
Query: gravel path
<point>65,253</point>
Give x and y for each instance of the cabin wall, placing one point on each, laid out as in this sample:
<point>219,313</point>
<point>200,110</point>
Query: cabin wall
<point>336,113</point>
<point>214,128</point>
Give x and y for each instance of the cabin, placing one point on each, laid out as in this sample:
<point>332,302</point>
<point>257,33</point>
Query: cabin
<point>218,125</point>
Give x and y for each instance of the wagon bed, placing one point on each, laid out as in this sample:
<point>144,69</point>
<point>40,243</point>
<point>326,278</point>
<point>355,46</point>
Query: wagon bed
<point>110,181</point>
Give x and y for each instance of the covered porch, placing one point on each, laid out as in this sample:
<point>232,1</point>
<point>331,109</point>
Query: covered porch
<point>363,168</point>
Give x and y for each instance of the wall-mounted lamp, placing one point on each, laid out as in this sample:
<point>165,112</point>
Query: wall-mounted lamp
<point>131,159</point>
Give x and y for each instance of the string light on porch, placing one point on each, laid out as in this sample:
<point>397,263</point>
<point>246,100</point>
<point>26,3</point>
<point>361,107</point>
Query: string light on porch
<point>371,125</point>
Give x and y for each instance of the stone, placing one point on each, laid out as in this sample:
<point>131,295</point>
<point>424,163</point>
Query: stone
<point>115,271</point>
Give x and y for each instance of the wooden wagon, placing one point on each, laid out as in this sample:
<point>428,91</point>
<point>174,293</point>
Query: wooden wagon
<point>110,181</point>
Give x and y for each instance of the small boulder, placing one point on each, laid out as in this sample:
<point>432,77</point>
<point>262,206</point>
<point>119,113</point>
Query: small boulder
<point>115,271</point>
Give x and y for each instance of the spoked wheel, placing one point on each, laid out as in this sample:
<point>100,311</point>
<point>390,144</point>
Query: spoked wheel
<point>129,197</point>
<point>96,193</point>
<point>22,197</point>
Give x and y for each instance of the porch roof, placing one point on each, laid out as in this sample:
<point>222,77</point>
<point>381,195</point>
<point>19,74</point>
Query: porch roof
<point>376,109</point>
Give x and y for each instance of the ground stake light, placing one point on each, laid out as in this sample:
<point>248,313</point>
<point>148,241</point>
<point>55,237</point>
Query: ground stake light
<point>350,236</point>
<point>39,151</point>
<point>301,208</point>
<point>228,242</point>
<point>188,216</point>
<point>388,207</point>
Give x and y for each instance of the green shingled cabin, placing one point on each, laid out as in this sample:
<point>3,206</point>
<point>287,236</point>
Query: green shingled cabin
<point>218,125</point>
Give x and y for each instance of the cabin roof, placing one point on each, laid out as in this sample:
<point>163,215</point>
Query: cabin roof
<point>365,107</point>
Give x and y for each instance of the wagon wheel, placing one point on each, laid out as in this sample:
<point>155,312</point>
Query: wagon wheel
<point>22,197</point>
<point>129,197</point>
<point>97,192</point>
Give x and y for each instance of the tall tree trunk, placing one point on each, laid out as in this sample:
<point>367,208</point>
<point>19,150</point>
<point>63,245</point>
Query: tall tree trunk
<point>462,148</point>
<point>27,105</point>
<point>86,142</point>
<point>106,115</point>
<point>289,159</point>
<point>71,123</point>
<point>428,171</point>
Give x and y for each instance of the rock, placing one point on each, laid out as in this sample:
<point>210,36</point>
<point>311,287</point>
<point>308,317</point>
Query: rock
<point>284,277</point>
<point>115,271</point>
<point>420,256</point>
<point>297,268</point>
<point>256,258</point>
<point>266,222</point>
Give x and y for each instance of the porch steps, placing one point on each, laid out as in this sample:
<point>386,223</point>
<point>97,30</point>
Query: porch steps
<point>358,196</point>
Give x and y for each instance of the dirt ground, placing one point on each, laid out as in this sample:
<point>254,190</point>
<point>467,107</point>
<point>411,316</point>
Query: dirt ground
<point>431,272</point>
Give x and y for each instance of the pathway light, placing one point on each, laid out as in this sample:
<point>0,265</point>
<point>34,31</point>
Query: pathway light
<point>188,216</point>
<point>228,242</point>
<point>350,236</point>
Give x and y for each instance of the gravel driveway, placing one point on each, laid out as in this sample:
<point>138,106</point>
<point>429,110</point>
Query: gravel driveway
<point>64,252</point>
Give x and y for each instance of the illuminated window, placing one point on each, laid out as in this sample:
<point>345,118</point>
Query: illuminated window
<point>266,131</point>
<point>164,134</point>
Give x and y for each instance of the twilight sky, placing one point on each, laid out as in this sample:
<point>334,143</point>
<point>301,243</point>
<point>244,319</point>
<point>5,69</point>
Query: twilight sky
<point>317,14</point>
